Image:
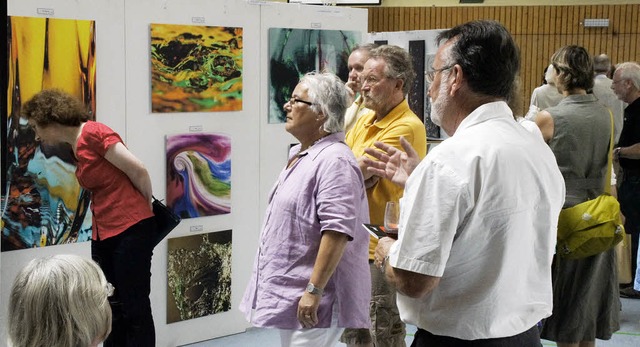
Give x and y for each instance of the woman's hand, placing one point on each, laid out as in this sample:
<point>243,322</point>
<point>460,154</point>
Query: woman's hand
<point>308,309</point>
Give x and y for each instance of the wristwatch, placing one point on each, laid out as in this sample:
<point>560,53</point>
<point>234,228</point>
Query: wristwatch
<point>312,289</point>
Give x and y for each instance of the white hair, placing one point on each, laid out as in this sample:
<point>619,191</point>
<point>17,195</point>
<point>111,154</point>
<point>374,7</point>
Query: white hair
<point>550,75</point>
<point>329,96</point>
<point>629,71</point>
<point>59,301</point>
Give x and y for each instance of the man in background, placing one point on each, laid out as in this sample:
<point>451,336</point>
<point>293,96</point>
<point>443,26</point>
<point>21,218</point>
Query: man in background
<point>626,85</point>
<point>386,79</point>
<point>357,59</point>
<point>602,91</point>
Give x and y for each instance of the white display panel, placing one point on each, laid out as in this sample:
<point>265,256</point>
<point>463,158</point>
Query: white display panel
<point>146,135</point>
<point>110,96</point>
<point>274,140</point>
<point>124,103</point>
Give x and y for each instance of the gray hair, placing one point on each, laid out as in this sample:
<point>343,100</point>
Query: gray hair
<point>601,63</point>
<point>630,71</point>
<point>365,47</point>
<point>59,301</point>
<point>550,75</point>
<point>329,96</point>
<point>399,64</point>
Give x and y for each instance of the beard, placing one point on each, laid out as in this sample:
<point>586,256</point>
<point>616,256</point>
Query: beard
<point>438,106</point>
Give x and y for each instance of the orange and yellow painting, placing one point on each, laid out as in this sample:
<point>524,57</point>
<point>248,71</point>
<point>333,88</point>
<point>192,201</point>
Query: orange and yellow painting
<point>195,68</point>
<point>44,204</point>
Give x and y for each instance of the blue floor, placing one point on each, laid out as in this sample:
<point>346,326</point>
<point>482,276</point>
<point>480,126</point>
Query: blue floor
<point>628,336</point>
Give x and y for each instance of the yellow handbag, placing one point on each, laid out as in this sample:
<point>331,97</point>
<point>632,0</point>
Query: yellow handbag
<point>593,226</point>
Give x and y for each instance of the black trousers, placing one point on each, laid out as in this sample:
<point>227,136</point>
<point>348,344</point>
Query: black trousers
<point>125,260</point>
<point>529,338</point>
<point>629,198</point>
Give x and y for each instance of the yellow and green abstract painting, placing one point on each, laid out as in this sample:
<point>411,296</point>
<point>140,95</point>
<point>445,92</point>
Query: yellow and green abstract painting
<point>195,68</point>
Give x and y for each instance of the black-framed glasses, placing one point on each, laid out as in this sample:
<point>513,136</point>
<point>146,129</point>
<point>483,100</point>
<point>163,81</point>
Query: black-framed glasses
<point>294,100</point>
<point>431,74</point>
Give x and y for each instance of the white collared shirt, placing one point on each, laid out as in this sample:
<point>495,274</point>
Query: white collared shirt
<point>481,211</point>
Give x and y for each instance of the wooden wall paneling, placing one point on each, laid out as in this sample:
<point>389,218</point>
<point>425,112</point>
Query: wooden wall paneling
<point>634,51</point>
<point>413,18</point>
<point>403,19</point>
<point>547,23</point>
<point>578,30</point>
<point>568,26</point>
<point>499,14</point>
<point>400,17</point>
<point>468,14</point>
<point>605,43</point>
<point>615,23</point>
<point>538,30</point>
<point>432,14</point>
<point>373,19</point>
<point>425,18</point>
<point>630,45</point>
<point>627,19</point>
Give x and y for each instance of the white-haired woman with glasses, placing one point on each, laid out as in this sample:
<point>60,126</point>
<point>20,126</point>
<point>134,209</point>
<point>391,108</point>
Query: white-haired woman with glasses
<point>60,301</point>
<point>311,277</point>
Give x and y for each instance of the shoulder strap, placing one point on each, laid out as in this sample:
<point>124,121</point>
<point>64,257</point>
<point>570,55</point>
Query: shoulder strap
<point>607,177</point>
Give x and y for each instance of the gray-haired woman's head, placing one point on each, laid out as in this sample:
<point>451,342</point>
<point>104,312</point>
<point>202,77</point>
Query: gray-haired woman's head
<point>59,301</point>
<point>329,96</point>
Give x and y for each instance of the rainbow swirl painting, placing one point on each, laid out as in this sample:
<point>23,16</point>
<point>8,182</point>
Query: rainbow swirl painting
<point>199,174</point>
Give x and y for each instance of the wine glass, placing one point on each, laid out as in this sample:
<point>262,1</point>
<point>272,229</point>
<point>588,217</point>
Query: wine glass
<point>391,216</point>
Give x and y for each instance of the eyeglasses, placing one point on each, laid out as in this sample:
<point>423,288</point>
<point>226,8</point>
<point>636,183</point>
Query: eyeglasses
<point>110,289</point>
<point>370,80</point>
<point>430,75</point>
<point>294,100</point>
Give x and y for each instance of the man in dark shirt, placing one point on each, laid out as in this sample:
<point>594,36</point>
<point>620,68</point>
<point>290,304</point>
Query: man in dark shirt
<point>626,85</point>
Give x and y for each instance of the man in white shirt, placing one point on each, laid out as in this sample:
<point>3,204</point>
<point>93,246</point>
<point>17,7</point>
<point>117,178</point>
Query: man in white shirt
<point>472,264</point>
<point>355,63</point>
<point>602,91</point>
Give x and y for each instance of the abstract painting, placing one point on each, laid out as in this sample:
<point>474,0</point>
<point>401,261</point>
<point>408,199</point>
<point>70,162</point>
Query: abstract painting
<point>433,131</point>
<point>417,91</point>
<point>44,204</point>
<point>294,52</point>
<point>198,275</point>
<point>195,68</point>
<point>199,174</point>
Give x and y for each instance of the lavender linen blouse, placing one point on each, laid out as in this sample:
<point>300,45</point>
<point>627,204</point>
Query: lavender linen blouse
<point>323,190</point>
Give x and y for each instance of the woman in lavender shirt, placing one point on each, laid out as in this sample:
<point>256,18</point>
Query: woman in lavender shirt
<point>311,277</point>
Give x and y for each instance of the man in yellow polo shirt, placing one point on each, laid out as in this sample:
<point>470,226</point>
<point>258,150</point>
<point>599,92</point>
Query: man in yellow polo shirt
<point>386,79</point>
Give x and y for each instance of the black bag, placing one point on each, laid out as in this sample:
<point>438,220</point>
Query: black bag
<point>166,220</point>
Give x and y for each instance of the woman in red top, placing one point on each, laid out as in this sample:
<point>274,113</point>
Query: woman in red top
<point>120,189</point>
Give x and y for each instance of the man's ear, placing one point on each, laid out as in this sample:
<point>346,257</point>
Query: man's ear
<point>458,79</point>
<point>399,84</point>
